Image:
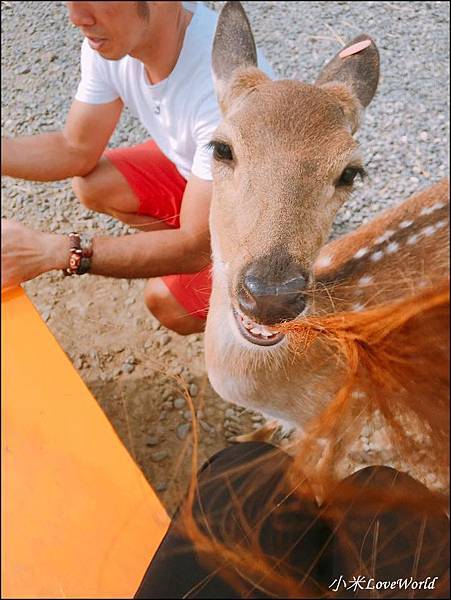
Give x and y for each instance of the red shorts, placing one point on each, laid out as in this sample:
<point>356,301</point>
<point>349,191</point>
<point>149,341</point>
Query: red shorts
<point>159,188</point>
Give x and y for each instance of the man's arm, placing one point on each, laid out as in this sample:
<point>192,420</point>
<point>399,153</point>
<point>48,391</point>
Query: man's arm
<point>27,253</point>
<point>164,252</point>
<point>73,151</point>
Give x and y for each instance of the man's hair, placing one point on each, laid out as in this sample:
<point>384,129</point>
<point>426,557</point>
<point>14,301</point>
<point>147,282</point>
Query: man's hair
<point>143,9</point>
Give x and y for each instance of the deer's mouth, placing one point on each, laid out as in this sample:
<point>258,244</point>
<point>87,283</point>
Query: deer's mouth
<point>255,332</point>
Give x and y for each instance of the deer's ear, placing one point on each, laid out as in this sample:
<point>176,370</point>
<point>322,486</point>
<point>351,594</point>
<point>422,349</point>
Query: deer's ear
<point>356,66</point>
<point>233,48</point>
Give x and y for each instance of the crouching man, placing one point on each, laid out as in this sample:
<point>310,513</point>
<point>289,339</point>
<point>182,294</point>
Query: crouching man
<point>154,58</point>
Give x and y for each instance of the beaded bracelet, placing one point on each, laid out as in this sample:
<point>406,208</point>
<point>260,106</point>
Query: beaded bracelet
<point>80,254</point>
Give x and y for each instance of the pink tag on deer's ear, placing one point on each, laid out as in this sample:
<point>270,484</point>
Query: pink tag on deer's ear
<point>355,48</point>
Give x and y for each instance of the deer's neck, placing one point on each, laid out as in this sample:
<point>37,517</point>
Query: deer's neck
<point>396,254</point>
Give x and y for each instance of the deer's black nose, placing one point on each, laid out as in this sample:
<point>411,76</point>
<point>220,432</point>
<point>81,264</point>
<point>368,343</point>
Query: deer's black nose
<point>270,297</point>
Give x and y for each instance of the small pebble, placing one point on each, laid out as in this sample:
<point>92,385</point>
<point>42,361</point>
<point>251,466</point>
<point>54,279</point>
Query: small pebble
<point>233,419</point>
<point>128,368</point>
<point>193,390</point>
<point>205,426</point>
<point>179,403</point>
<point>159,456</point>
<point>182,430</point>
<point>228,424</point>
<point>233,427</point>
<point>187,415</point>
<point>165,339</point>
<point>152,440</point>
<point>49,56</point>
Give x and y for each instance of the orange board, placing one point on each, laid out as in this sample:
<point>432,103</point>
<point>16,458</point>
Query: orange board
<point>79,520</point>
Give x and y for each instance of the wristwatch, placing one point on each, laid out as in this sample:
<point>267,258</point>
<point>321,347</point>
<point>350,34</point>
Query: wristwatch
<point>80,253</point>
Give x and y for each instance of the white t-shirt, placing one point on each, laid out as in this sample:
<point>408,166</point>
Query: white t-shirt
<point>189,113</point>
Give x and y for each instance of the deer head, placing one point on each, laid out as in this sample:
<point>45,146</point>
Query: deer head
<point>284,161</point>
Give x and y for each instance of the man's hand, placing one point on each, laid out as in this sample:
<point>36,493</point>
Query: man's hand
<point>27,253</point>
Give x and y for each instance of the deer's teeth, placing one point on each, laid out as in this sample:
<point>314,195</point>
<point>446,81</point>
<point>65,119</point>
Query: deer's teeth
<point>256,328</point>
<point>268,334</point>
<point>255,332</point>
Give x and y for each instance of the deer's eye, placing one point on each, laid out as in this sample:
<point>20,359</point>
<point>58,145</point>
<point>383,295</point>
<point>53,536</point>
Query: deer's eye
<point>348,176</point>
<point>221,151</point>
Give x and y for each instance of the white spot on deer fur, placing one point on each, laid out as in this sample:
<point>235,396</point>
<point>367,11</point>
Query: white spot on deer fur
<point>405,224</point>
<point>357,307</point>
<point>366,280</point>
<point>360,253</point>
<point>376,256</point>
<point>413,239</point>
<point>392,247</point>
<point>427,231</point>
<point>438,205</point>
<point>324,261</point>
<point>441,224</point>
<point>358,394</point>
<point>427,210</point>
<point>384,237</point>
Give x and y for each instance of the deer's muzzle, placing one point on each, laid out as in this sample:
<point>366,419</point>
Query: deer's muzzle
<point>272,291</point>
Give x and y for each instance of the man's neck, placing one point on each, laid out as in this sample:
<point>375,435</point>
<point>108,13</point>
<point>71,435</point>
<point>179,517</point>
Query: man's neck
<point>161,52</point>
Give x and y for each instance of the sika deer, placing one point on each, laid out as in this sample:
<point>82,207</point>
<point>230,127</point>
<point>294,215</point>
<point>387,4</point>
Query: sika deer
<point>284,161</point>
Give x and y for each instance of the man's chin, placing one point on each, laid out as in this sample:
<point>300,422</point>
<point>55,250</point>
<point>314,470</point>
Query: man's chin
<point>110,55</point>
<point>104,49</point>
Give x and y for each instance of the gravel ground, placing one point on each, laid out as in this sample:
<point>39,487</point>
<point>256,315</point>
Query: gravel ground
<point>134,367</point>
